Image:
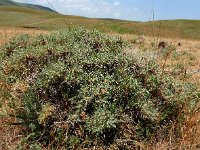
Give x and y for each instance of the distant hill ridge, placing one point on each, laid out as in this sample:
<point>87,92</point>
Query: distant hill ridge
<point>33,6</point>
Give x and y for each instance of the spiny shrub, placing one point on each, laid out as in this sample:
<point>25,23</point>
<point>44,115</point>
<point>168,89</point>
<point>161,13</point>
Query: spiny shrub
<point>83,91</point>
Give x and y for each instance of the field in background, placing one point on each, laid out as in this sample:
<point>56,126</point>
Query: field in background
<point>40,19</point>
<point>186,54</point>
<point>7,33</point>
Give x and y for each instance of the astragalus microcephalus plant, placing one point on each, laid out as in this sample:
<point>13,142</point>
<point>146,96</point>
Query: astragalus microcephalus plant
<point>83,91</point>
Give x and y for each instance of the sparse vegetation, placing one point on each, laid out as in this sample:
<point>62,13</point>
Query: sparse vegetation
<point>78,88</point>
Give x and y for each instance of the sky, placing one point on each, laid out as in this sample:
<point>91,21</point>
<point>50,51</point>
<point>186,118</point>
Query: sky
<point>135,10</point>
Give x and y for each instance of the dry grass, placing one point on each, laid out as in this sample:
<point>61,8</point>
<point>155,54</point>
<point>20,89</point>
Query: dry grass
<point>9,135</point>
<point>188,53</point>
<point>8,33</point>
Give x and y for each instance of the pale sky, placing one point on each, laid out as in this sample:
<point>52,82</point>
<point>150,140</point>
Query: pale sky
<point>136,10</point>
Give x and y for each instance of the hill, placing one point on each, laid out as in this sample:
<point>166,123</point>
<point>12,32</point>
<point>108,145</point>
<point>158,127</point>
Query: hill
<point>12,3</point>
<point>34,16</point>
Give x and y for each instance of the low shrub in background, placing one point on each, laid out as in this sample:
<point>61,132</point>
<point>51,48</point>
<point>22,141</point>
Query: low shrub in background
<point>78,89</point>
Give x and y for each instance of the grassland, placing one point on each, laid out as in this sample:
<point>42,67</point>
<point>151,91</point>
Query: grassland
<point>31,18</point>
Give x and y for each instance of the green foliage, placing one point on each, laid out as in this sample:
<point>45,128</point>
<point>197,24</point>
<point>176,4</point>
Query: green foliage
<point>84,91</point>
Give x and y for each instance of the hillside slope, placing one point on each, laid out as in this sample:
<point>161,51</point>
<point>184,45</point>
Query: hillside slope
<point>39,18</point>
<point>7,2</point>
<point>12,3</point>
